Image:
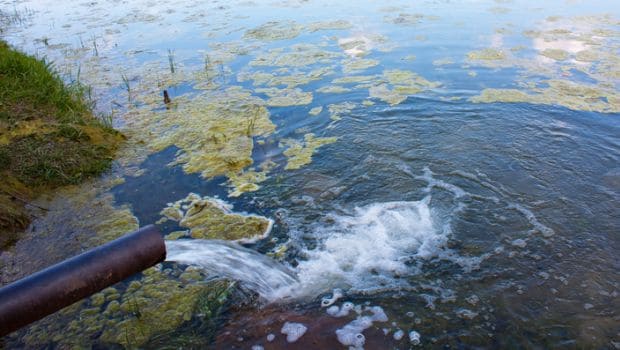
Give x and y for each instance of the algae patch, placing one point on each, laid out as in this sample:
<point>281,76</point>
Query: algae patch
<point>300,153</point>
<point>272,31</point>
<point>488,54</point>
<point>286,97</point>
<point>556,54</point>
<point>559,92</point>
<point>336,110</point>
<point>399,84</point>
<point>215,132</point>
<point>136,313</point>
<point>211,218</point>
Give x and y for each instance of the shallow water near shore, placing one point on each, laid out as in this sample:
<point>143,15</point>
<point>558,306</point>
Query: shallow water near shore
<point>448,169</point>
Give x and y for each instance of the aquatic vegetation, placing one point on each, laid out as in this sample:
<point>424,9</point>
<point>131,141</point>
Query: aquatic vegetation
<point>215,132</point>
<point>403,84</point>
<point>300,153</point>
<point>443,61</point>
<point>559,92</point>
<point>356,79</point>
<point>131,315</point>
<point>332,89</point>
<point>353,65</point>
<point>298,56</point>
<point>486,54</point>
<point>211,218</point>
<point>316,110</point>
<point>336,110</point>
<point>556,54</point>
<point>272,31</point>
<point>406,19</point>
<point>329,25</point>
<point>286,97</point>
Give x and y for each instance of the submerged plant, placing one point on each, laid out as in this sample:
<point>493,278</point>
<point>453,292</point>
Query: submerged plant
<point>127,86</point>
<point>171,60</point>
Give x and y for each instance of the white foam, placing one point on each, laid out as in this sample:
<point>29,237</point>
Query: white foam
<point>538,226</point>
<point>414,338</point>
<point>293,331</point>
<point>337,294</point>
<point>398,335</point>
<point>368,248</point>
<point>271,337</point>
<point>351,334</point>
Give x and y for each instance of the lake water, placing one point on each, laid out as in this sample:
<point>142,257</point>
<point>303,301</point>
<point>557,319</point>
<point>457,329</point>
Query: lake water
<point>449,167</point>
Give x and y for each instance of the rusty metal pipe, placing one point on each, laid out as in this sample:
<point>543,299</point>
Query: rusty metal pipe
<point>47,291</point>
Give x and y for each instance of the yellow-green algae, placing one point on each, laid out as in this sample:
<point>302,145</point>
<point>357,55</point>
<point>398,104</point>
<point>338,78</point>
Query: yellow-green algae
<point>332,89</point>
<point>329,25</point>
<point>299,55</point>
<point>352,65</point>
<point>211,218</point>
<point>443,61</point>
<point>214,132</point>
<point>593,46</point>
<point>272,31</point>
<point>260,78</point>
<point>336,110</point>
<point>300,153</point>
<point>556,54</point>
<point>559,92</point>
<point>131,315</point>
<point>286,97</point>
<point>352,79</point>
<point>316,110</point>
<point>403,84</point>
<point>406,19</point>
<point>486,54</point>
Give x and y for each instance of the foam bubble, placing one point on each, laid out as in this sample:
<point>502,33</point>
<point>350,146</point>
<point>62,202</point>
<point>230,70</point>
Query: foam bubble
<point>271,337</point>
<point>293,331</point>
<point>398,335</point>
<point>336,294</point>
<point>351,334</point>
<point>414,338</point>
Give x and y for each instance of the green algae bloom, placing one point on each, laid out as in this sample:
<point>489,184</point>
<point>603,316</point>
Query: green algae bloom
<point>316,111</point>
<point>332,89</point>
<point>486,54</point>
<point>329,25</point>
<point>353,65</point>
<point>286,97</point>
<point>403,84</point>
<point>556,54</point>
<point>559,92</point>
<point>211,218</point>
<point>300,153</point>
<point>272,31</point>
<point>131,316</point>
<point>336,110</point>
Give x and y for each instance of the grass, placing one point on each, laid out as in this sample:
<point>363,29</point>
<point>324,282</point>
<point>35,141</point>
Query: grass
<point>49,136</point>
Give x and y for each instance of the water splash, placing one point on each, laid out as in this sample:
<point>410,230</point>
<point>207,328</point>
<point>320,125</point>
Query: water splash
<point>362,251</point>
<point>233,261</point>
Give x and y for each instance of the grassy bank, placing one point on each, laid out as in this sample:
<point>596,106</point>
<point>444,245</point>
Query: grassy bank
<point>48,136</point>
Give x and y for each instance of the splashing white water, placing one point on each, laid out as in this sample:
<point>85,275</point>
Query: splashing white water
<point>371,248</point>
<point>230,260</point>
<point>367,250</point>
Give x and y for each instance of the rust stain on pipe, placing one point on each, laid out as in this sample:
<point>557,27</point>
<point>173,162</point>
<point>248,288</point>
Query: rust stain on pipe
<point>47,291</point>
